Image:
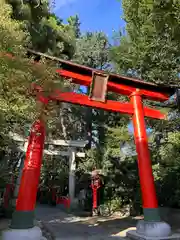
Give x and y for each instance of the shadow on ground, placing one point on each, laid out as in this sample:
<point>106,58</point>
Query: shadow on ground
<point>67,226</point>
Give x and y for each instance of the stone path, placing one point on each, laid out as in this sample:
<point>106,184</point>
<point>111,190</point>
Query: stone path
<point>69,227</point>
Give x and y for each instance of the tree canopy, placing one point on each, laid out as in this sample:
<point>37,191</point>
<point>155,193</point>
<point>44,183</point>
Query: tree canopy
<point>150,48</point>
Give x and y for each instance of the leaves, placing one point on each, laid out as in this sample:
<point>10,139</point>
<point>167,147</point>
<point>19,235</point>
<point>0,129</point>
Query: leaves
<point>151,48</point>
<point>47,33</point>
<point>17,73</point>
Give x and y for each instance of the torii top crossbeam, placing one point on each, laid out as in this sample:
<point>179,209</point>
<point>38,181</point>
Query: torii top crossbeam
<point>102,82</point>
<point>116,83</point>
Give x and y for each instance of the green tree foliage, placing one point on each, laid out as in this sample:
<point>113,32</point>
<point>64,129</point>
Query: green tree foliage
<point>92,50</point>
<point>166,169</point>
<point>17,73</point>
<point>47,32</point>
<point>150,49</point>
<point>74,22</point>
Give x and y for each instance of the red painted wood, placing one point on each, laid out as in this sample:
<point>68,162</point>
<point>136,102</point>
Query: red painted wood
<point>31,172</point>
<point>144,162</point>
<point>114,87</point>
<point>63,200</point>
<point>95,187</point>
<point>7,195</point>
<point>125,108</point>
<point>115,78</point>
<point>94,198</point>
<point>159,94</point>
<point>53,191</point>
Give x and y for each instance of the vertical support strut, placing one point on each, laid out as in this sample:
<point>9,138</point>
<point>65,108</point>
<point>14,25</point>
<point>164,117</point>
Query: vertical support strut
<point>95,198</point>
<point>72,178</point>
<point>149,198</point>
<point>23,217</point>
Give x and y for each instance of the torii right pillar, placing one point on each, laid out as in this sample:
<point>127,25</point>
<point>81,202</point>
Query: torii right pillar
<point>151,227</point>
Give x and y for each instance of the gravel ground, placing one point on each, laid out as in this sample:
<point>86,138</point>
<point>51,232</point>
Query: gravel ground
<point>59,225</point>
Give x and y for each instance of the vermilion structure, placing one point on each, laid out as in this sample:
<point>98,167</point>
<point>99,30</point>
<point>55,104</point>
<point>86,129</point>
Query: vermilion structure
<point>100,83</point>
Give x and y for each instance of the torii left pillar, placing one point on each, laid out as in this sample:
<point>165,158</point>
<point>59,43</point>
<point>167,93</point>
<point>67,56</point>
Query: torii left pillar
<point>22,224</point>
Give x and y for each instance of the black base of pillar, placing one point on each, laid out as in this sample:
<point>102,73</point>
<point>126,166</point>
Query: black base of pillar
<point>151,214</point>
<point>22,220</point>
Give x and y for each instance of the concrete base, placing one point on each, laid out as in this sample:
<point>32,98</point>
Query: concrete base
<point>23,234</point>
<point>135,236</point>
<point>152,230</point>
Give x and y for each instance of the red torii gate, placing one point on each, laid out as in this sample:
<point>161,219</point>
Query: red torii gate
<point>100,82</point>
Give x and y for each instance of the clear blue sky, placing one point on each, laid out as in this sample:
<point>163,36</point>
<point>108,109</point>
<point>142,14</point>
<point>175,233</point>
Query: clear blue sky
<point>131,129</point>
<point>95,15</point>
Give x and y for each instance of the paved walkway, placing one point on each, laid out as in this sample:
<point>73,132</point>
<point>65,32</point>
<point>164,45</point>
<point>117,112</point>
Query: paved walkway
<point>69,227</point>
